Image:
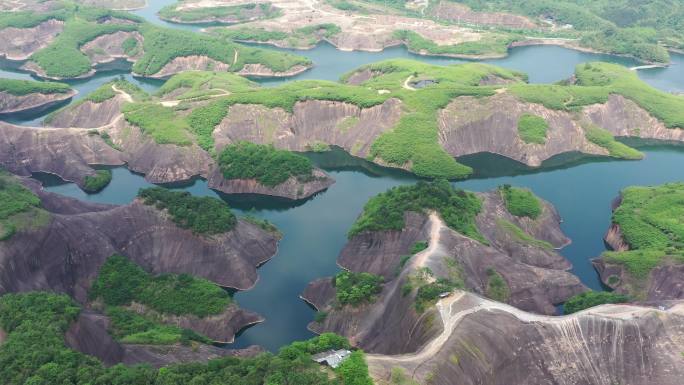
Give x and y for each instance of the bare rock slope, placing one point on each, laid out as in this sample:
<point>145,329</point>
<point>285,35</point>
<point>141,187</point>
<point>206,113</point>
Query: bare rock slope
<point>34,102</point>
<point>534,273</point>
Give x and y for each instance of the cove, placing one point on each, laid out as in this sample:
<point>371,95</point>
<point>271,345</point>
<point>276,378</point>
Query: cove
<point>315,231</point>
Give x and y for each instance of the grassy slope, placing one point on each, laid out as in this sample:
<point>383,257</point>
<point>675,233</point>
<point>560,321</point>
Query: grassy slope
<point>650,219</point>
<point>19,207</point>
<point>25,87</point>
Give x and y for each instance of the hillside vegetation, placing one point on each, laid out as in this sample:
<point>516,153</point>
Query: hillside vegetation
<point>650,219</point>
<point>202,215</point>
<point>26,87</point>
<point>642,29</point>
<point>268,165</point>
<point>19,207</point>
<point>34,353</point>
<point>62,58</point>
<point>385,211</point>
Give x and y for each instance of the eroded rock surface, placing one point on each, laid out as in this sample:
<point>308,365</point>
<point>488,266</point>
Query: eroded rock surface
<point>35,102</point>
<point>485,342</point>
<point>335,123</point>
<point>534,272</point>
<point>88,114</point>
<point>65,255</point>
<point>90,335</point>
<point>107,48</point>
<point>65,152</point>
<point>21,43</point>
<point>470,125</point>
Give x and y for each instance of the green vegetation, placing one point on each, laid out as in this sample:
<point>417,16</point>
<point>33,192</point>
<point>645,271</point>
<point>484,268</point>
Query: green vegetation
<point>159,122</point>
<point>428,293</point>
<point>521,236</point>
<point>62,58</point>
<point>605,139</point>
<point>202,215</point>
<point>640,29</point>
<point>592,298</point>
<point>232,14</point>
<point>399,377</point>
<point>497,288</point>
<point>418,247</point>
<point>491,44</point>
<point>18,207</point>
<point>34,353</point>
<point>353,370</point>
<point>532,128</point>
<point>25,87</point>
<point>268,165</point>
<point>356,288</point>
<point>198,84</point>
<point>121,282</point>
<point>521,202</point>
<point>301,37</point>
<point>97,183</point>
<point>163,45</point>
<point>650,222</point>
<point>263,224</point>
<point>456,207</point>
<point>132,328</point>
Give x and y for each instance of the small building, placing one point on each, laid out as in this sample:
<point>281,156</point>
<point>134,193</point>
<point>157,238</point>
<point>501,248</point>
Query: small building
<point>332,358</point>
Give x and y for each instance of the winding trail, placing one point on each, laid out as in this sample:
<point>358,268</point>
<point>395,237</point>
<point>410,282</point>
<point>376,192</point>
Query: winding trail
<point>407,84</point>
<point>127,97</point>
<point>455,308</point>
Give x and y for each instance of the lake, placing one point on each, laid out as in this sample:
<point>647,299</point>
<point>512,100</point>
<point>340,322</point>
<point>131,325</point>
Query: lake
<point>315,230</point>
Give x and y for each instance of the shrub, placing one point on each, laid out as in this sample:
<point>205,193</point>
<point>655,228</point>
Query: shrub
<point>385,211</point>
<point>268,165</point>
<point>497,288</point>
<point>521,202</point>
<point>532,128</point>
<point>592,298</point>
<point>418,247</point>
<point>202,215</point>
<point>356,288</point>
<point>605,139</point>
<point>121,282</point>
<point>25,87</point>
<point>354,370</point>
<point>97,183</point>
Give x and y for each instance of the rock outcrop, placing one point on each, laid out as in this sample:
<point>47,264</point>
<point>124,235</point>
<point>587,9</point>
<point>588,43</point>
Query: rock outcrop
<point>89,335</point>
<point>485,342</point>
<point>535,274</point>
<point>65,152</point>
<point>66,254</point>
<point>221,327</point>
<point>88,114</point>
<point>470,125</point>
<point>335,123</point>
<point>455,12</point>
<point>107,48</point>
<point>34,102</point>
<point>292,189</point>
<point>21,43</point>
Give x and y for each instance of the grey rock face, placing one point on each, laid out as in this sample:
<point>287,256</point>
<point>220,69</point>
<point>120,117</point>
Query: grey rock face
<point>35,102</point>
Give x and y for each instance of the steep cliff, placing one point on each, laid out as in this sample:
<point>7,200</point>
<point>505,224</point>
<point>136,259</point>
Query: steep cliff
<point>34,102</point>
<point>66,254</point>
<point>519,250</point>
<point>21,43</point>
<point>87,114</point>
<point>487,342</point>
<point>313,121</point>
<point>89,335</point>
<point>65,152</point>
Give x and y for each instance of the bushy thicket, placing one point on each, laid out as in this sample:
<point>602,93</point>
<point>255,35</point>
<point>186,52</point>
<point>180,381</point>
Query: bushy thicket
<point>592,298</point>
<point>202,215</point>
<point>356,288</point>
<point>34,353</point>
<point>268,165</point>
<point>25,87</point>
<point>385,211</point>
<point>120,282</point>
<point>521,202</point>
<point>97,183</point>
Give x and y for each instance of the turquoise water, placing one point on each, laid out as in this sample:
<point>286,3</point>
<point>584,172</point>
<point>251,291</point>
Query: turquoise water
<point>315,231</point>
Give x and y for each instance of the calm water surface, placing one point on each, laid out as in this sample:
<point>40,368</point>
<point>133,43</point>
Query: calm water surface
<point>315,231</point>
